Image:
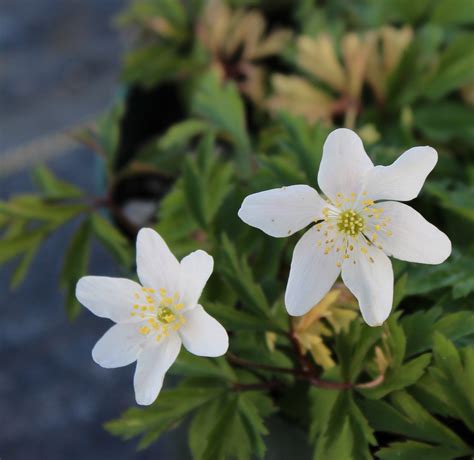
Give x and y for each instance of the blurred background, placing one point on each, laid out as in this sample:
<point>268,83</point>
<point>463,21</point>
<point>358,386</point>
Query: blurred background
<point>59,66</point>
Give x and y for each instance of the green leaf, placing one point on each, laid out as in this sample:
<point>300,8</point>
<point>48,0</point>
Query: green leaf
<point>221,104</point>
<point>406,417</point>
<point>444,121</point>
<point>108,132</point>
<point>16,244</point>
<point>353,346</point>
<point>165,414</point>
<point>112,239</point>
<point>52,187</point>
<point>74,266</point>
<point>196,366</point>
<point>399,378</point>
<point>406,83</point>
<point>452,12</point>
<point>231,427</point>
<point>22,268</point>
<point>194,188</point>
<point>412,450</point>
<point>156,63</point>
<point>35,208</point>
<point>338,429</point>
<point>239,276</point>
<point>207,182</point>
<point>453,379</point>
<point>305,142</point>
<point>399,290</point>
<point>419,328</point>
<point>235,320</point>
<point>427,425</point>
<point>455,68</point>
<point>459,200</point>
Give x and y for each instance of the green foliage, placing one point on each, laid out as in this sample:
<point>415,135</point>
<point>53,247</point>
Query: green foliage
<point>400,391</point>
<point>222,105</point>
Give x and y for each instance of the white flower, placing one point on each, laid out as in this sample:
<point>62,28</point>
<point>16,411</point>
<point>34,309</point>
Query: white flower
<point>356,229</point>
<point>153,318</point>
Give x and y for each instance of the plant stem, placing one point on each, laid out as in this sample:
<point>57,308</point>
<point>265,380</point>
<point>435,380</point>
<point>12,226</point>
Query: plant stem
<point>307,372</point>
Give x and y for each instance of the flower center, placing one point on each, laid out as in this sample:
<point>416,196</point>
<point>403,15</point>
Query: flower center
<point>160,311</point>
<point>350,222</point>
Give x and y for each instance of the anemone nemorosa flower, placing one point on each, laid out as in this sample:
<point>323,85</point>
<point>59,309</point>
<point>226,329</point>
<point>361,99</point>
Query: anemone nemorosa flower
<point>358,225</point>
<point>153,318</point>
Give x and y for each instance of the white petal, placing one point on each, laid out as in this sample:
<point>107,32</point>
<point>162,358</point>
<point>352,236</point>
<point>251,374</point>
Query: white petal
<point>202,335</point>
<point>412,237</point>
<point>152,365</point>
<point>106,297</point>
<point>282,211</point>
<point>312,273</point>
<point>119,346</point>
<point>403,179</point>
<point>157,267</point>
<point>196,268</point>
<point>344,164</point>
<point>371,282</point>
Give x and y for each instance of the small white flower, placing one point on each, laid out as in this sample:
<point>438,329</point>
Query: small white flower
<point>153,318</point>
<point>356,229</point>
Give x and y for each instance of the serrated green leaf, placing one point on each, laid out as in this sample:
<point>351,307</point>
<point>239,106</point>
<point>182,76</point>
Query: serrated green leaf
<point>74,266</point>
<point>399,377</point>
<point>428,426</point>
<point>112,239</point>
<point>35,208</point>
<point>165,414</point>
<point>221,104</point>
<point>21,269</point>
<point>412,450</point>
<point>238,274</point>
<point>52,187</point>
<point>16,244</point>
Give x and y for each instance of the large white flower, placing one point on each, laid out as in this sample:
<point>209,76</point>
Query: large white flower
<point>153,318</point>
<point>356,229</point>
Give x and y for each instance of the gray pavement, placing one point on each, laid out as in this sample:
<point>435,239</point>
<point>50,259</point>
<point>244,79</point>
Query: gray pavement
<point>59,61</point>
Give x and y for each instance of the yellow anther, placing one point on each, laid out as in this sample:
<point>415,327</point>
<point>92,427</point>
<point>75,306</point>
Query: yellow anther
<point>144,330</point>
<point>136,306</point>
<point>136,295</point>
<point>351,247</point>
<point>179,306</point>
<point>144,308</point>
<point>377,227</point>
<point>338,264</point>
<point>132,314</point>
<point>363,250</point>
<point>162,291</point>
